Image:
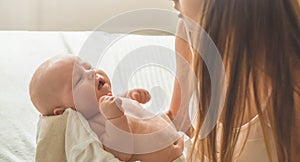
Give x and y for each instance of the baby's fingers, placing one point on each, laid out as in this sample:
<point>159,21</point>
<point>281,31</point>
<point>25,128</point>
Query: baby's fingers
<point>106,98</point>
<point>146,96</point>
<point>141,95</point>
<point>135,95</point>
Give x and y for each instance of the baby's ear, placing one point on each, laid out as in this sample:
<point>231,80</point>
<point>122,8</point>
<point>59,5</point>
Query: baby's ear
<point>58,111</point>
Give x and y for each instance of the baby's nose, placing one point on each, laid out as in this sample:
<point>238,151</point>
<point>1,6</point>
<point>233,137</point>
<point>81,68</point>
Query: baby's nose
<point>91,74</point>
<point>98,76</point>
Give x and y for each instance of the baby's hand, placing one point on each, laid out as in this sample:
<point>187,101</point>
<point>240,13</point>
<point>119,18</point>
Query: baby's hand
<point>140,95</point>
<point>110,107</point>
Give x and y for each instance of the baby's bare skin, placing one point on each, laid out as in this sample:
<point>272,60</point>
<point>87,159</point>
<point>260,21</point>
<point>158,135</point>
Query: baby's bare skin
<point>112,112</point>
<point>65,81</point>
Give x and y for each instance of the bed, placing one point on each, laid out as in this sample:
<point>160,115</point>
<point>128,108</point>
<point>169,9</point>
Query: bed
<point>22,51</point>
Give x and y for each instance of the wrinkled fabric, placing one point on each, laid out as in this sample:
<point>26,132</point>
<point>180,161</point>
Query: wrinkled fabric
<point>68,137</point>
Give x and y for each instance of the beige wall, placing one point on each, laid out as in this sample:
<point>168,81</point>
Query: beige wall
<point>67,14</point>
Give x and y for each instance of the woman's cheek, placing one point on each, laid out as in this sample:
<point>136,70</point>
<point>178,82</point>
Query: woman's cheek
<point>191,9</point>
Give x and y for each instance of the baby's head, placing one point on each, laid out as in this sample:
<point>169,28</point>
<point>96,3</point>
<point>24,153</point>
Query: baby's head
<point>65,81</point>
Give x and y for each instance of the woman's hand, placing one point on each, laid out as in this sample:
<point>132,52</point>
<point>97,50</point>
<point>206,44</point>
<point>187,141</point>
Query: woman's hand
<point>168,154</point>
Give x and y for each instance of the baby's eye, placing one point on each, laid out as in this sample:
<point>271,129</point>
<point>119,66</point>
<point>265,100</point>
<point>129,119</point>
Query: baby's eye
<point>76,73</point>
<point>87,66</point>
<point>78,80</point>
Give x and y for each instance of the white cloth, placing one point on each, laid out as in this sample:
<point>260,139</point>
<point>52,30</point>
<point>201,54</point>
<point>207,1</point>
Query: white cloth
<point>68,137</point>
<point>254,148</point>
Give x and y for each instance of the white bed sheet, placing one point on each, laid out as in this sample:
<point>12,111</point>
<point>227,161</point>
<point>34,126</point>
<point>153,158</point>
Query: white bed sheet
<point>20,54</point>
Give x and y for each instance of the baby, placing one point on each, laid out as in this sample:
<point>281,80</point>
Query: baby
<point>64,81</point>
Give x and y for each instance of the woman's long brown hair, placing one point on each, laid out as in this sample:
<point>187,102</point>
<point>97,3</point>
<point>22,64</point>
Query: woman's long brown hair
<point>259,41</point>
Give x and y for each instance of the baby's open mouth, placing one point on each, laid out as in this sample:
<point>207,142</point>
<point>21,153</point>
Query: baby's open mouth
<point>101,84</point>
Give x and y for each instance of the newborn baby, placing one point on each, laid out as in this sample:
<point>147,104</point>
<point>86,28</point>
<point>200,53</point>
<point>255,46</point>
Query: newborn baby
<point>65,81</point>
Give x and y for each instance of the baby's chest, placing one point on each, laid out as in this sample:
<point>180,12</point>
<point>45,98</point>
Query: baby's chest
<point>97,124</point>
<point>140,126</point>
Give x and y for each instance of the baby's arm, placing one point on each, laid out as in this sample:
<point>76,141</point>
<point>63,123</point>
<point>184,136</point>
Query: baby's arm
<point>111,110</point>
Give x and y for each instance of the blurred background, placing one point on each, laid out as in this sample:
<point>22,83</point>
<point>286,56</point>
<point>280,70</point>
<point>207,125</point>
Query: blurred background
<point>31,31</point>
<point>68,15</point>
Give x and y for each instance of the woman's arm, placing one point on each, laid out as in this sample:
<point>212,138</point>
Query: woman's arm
<point>178,111</point>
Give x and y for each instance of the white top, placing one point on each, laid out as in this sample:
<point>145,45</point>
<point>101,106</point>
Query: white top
<point>254,148</point>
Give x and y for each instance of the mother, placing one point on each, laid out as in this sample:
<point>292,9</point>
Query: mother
<point>259,42</point>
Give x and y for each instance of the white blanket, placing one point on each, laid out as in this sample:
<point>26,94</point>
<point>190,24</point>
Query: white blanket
<point>68,137</point>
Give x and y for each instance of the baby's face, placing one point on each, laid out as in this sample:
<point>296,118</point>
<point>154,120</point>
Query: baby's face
<point>88,85</point>
<point>65,81</point>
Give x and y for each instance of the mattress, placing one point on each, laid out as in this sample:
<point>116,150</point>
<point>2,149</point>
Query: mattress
<point>131,61</point>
